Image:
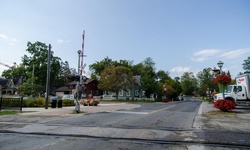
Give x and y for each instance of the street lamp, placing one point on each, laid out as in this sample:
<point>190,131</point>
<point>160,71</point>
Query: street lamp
<point>79,55</point>
<point>220,65</point>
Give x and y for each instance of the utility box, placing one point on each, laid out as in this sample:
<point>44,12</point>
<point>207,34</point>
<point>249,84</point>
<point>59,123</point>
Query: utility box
<point>53,103</point>
<point>59,104</point>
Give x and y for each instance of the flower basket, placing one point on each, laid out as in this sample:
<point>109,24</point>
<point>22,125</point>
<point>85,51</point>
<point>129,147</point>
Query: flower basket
<point>165,100</point>
<point>224,105</point>
<point>222,79</point>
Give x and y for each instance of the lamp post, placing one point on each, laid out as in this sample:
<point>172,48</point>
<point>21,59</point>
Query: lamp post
<point>48,78</point>
<point>79,55</point>
<point>220,65</point>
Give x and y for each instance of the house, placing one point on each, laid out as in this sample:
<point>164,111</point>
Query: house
<point>10,86</point>
<point>127,94</point>
<point>90,87</point>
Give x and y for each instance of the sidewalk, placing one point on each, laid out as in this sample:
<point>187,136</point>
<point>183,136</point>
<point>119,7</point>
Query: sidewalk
<point>69,111</point>
<point>209,117</point>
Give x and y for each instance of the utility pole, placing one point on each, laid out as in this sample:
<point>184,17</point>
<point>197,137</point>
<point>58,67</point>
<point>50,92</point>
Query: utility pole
<point>48,78</point>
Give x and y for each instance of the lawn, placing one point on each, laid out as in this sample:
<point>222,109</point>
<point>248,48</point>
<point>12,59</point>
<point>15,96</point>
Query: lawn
<point>8,112</point>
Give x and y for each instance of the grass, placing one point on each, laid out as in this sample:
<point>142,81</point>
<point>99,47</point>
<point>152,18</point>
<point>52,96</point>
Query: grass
<point>218,112</point>
<point>12,112</point>
<point>2,113</point>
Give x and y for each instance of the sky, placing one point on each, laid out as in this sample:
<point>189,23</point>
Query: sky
<point>179,35</point>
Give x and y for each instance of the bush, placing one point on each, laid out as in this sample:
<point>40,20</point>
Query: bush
<point>38,102</point>
<point>224,105</point>
<point>68,102</point>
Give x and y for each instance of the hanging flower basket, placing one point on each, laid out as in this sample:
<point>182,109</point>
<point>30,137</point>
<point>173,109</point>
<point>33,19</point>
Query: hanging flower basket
<point>222,79</point>
<point>224,105</point>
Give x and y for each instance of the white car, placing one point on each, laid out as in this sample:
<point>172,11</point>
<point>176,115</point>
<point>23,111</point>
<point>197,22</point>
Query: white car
<point>68,97</point>
<point>53,98</point>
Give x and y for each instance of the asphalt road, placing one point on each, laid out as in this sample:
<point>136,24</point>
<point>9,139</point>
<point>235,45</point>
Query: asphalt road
<point>151,126</point>
<point>176,115</point>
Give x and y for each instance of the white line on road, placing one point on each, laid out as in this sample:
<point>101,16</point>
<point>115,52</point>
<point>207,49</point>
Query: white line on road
<point>141,113</point>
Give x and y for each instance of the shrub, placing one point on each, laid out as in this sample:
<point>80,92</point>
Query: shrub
<point>224,105</point>
<point>38,102</point>
<point>68,102</point>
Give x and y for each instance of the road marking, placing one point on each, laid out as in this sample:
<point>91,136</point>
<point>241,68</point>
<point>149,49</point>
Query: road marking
<point>141,113</point>
<point>130,112</point>
<point>155,111</point>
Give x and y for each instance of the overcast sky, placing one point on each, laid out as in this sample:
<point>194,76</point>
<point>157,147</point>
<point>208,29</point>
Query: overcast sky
<point>179,35</point>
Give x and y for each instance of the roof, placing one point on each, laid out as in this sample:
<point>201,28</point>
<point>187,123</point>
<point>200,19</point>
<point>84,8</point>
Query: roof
<point>4,82</point>
<point>73,83</point>
<point>62,89</point>
<point>88,81</point>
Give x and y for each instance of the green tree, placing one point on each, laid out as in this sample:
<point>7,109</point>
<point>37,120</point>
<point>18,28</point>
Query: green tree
<point>169,88</point>
<point>14,72</point>
<point>246,64</point>
<point>162,75</point>
<point>115,79</point>
<point>98,67</point>
<point>205,79</point>
<point>145,69</point>
<point>37,61</point>
<point>28,88</point>
<point>188,83</point>
<point>148,76</point>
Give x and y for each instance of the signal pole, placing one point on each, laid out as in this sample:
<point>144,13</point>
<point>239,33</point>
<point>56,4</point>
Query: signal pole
<point>80,86</point>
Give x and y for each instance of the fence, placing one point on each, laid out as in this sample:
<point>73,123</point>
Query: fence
<point>11,103</point>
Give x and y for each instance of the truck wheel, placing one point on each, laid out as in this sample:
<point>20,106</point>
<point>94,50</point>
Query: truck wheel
<point>231,99</point>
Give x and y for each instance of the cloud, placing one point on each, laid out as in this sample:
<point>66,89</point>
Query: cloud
<point>62,41</point>
<point>203,55</point>
<point>235,53</point>
<point>2,36</point>
<point>12,41</point>
<point>180,69</point>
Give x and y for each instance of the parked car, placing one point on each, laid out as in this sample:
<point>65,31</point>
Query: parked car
<point>68,96</point>
<point>53,98</point>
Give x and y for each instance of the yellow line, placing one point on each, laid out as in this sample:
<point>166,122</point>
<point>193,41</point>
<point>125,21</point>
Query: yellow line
<point>155,111</point>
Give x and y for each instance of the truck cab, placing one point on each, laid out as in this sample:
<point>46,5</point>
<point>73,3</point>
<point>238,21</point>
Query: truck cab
<point>238,93</point>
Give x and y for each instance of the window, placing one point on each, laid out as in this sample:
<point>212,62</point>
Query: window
<point>239,89</point>
<point>136,93</point>
<point>121,93</point>
<point>128,93</point>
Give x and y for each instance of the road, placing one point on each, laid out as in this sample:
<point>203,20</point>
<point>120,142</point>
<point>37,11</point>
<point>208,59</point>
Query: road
<point>174,115</point>
<point>151,126</point>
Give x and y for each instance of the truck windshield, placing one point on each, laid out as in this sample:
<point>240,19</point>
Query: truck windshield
<point>229,89</point>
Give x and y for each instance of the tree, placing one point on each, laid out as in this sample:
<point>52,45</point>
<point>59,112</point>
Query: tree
<point>246,64</point>
<point>205,79</point>
<point>188,83</point>
<point>162,75</point>
<point>148,76</point>
<point>28,87</point>
<point>98,67</point>
<point>15,72</point>
<point>169,88</point>
<point>115,79</point>
<point>34,66</point>
<point>37,61</point>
